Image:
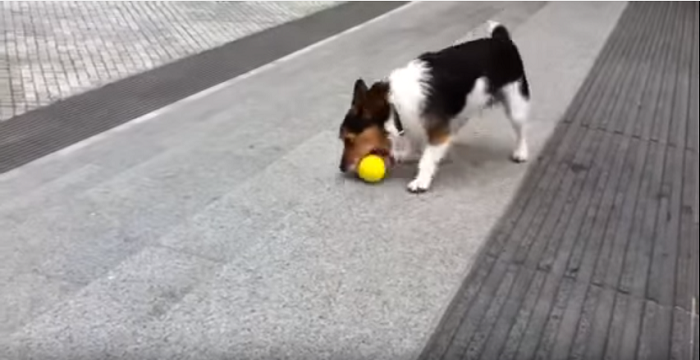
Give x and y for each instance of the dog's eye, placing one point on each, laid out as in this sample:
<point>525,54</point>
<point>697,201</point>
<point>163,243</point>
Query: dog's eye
<point>348,140</point>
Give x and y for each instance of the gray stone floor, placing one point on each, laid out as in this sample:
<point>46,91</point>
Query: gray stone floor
<point>221,229</point>
<point>52,50</point>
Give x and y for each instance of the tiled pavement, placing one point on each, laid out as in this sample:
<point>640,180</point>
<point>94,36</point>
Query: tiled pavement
<point>151,243</point>
<point>52,50</point>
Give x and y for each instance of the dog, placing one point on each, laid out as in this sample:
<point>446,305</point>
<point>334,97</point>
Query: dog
<point>426,102</point>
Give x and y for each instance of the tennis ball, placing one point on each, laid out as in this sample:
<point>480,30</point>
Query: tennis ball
<point>371,169</point>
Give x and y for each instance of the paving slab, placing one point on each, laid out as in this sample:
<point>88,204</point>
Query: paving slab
<point>107,313</point>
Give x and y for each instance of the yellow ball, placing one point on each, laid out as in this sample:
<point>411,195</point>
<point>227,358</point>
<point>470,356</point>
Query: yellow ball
<point>371,169</point>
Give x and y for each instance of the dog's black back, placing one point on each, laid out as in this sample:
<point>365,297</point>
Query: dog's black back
<point>455,70</point>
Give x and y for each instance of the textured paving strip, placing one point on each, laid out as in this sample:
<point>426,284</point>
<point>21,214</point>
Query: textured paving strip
<point>52,50</point>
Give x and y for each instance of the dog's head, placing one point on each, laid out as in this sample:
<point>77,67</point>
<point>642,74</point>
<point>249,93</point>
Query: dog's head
<point>363,130</point>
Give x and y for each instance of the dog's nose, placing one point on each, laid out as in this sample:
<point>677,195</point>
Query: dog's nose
<point>343,168</point>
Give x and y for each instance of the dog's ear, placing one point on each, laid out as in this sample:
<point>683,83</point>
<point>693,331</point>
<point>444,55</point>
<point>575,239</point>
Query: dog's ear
<point>359,93</point>
<point>376,104</point>
<point>379,89</point>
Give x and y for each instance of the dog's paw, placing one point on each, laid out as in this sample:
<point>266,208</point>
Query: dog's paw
<point>520,155</point>
<point>418,186</point>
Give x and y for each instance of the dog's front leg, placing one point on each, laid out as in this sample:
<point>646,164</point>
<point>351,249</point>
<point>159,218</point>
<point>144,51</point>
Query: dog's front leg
<point>436,149</point>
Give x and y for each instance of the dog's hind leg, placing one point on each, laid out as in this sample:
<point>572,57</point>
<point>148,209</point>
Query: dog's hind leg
<point>517,104</point>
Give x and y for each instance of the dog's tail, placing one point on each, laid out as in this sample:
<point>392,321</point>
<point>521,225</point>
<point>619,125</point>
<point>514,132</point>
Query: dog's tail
<point>498,31</point>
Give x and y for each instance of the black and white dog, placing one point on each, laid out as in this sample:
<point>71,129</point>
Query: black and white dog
<point>424,101</point>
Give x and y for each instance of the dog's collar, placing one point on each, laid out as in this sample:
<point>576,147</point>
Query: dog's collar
<point>397,120</point>
<point>395,114</point>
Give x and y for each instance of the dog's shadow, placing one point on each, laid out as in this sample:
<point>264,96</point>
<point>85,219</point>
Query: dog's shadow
<point>473,157</point>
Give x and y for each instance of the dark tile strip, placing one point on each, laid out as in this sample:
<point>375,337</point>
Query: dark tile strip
<point>472,337</point>
<point>694,272</point>
<point>573,241</point>
<point>555,171</point>
<point>673,45</point>
<point>601,67</point>
<point>643,129</point>
<point>681,340</point>
<point>642,73</point>
<point>686,259</point>
<point>583,261</point>
<point>525,289</point>
<point>643,231</point>
<point>476,312</point>
<point>680,122</point>
<point>657,325</point>
<point>616,86</point>
<point>40,132</point>
<point>696,355</point>
<point>562,240</point>
<point>547,262</point>
<point>604,309</point>
<point>547,291</point>
<point>597,328</point>
<point>693,135</point>
<point>530,261</point>
<point>656,320</point>
<point>684,333</point>
<point>509,349</point>
<point>622,221</point>
<point>584,273</point>
<point>561,135</point>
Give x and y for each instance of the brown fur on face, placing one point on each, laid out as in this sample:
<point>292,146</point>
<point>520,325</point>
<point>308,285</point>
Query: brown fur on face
<point>356,146</point>
<point>362,130</point>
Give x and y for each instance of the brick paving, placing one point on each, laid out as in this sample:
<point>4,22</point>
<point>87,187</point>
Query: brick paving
<point>52,50</point>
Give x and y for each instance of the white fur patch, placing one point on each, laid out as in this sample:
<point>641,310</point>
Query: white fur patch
<point>408,94</point>
<point>492,25</point>
<point>478,98</point>
<point>428,165</point>
<point>409,90</point>
<point>518,108</point>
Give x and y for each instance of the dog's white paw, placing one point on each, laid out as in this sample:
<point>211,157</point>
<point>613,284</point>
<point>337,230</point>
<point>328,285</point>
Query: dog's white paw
<point>520,155</point>
<point>419,185</point>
